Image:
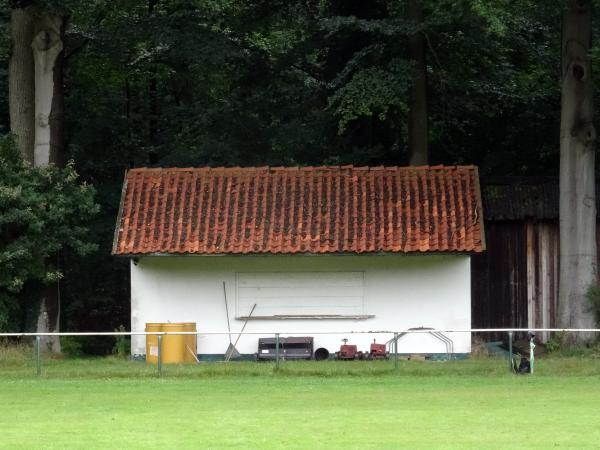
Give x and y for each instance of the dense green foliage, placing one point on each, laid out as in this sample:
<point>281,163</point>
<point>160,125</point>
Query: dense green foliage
<point>196,83</point>
<point>256,82</point>
<point>42,212</point>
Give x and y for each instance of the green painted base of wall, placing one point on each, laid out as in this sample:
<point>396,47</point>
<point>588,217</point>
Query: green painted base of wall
<point>250,357</point>
<point>220,357</point>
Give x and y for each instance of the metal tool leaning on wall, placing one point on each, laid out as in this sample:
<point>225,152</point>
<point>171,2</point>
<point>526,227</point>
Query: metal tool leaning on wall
<point>229,355</point>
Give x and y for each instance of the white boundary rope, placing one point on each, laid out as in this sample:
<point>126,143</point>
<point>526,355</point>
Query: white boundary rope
<point>416,331</point>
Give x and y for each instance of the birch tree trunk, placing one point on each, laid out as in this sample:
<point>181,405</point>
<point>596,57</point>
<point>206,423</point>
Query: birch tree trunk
<point>21,85</point>
<point>577,175</point>
<point>418,145</point>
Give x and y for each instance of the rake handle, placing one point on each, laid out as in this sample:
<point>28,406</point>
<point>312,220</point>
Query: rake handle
<point>227,311</point>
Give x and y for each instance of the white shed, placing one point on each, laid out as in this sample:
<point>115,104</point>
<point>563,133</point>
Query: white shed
<point>316,249</point>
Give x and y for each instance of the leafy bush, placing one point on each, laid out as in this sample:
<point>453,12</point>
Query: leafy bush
<point>42,211</point>
<point>71,346</point>
<point>555,343</point>
<point>122,347</point>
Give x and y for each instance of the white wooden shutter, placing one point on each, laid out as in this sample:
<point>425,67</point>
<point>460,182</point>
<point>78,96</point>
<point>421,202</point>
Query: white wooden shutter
<point>300,294</point>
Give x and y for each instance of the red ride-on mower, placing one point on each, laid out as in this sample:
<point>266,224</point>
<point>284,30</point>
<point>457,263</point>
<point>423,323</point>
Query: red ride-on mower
<point>348,352</point>
<point>377,351</point>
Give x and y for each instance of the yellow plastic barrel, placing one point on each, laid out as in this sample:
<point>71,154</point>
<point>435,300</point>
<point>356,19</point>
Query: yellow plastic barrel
<point>152,342</point>
<point>190,342</point>
<point>177,348</point>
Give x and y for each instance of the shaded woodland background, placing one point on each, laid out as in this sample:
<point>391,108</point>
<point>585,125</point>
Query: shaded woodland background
<point>269,82</point>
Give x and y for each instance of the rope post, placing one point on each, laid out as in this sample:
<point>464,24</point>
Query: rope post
<point>531,352</point>
<point>510,351</point>
<point>277,351</point>
<point>38,355</point>
<point>159,363</point>
<point>395,350</point>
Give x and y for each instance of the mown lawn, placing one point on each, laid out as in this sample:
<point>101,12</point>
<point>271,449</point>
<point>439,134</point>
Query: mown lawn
<point>109,403</point>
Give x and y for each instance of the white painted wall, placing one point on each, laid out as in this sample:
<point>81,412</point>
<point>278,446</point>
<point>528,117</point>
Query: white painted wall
<point>401,291</point>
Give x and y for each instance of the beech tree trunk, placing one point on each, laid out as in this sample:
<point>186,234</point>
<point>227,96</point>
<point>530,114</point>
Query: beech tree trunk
<point>578,261</point>
<point>49,319</point>
<point>36,102</point>
<point>153,100</point>
<point>58,147</point>
<point>47,46</point>
<point>418,145</point>
<point>21,84</point>
<point>49,148</point>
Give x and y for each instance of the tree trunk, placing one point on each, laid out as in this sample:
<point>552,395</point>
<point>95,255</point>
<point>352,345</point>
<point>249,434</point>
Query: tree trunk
<point>21,84</point>
<point>153,99</point>
<point>418,146</point>
<point>578,269</point>
<point>47,46</point>
<point>49,318</point>
<point>57,112</point>
<point>49,147</point>
<point>36,103</point>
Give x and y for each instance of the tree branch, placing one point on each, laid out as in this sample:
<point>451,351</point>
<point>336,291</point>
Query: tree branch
<point>97,23</point>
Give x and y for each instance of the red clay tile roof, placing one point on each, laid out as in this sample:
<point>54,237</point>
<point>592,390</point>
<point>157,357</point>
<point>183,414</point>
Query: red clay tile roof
<point>300,210</point>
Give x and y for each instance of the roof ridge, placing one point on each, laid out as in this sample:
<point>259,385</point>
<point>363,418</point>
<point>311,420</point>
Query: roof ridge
<point>301,168</point>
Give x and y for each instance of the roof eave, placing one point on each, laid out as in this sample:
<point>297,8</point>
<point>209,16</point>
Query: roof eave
<point>119,217</point>
<point>269,254</point>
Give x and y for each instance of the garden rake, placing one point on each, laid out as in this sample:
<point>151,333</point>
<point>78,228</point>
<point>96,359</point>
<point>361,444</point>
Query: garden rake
<point>231,351</point>
<point>241,332</point>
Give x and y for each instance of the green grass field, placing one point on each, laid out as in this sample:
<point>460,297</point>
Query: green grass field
<point>111,403</point>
